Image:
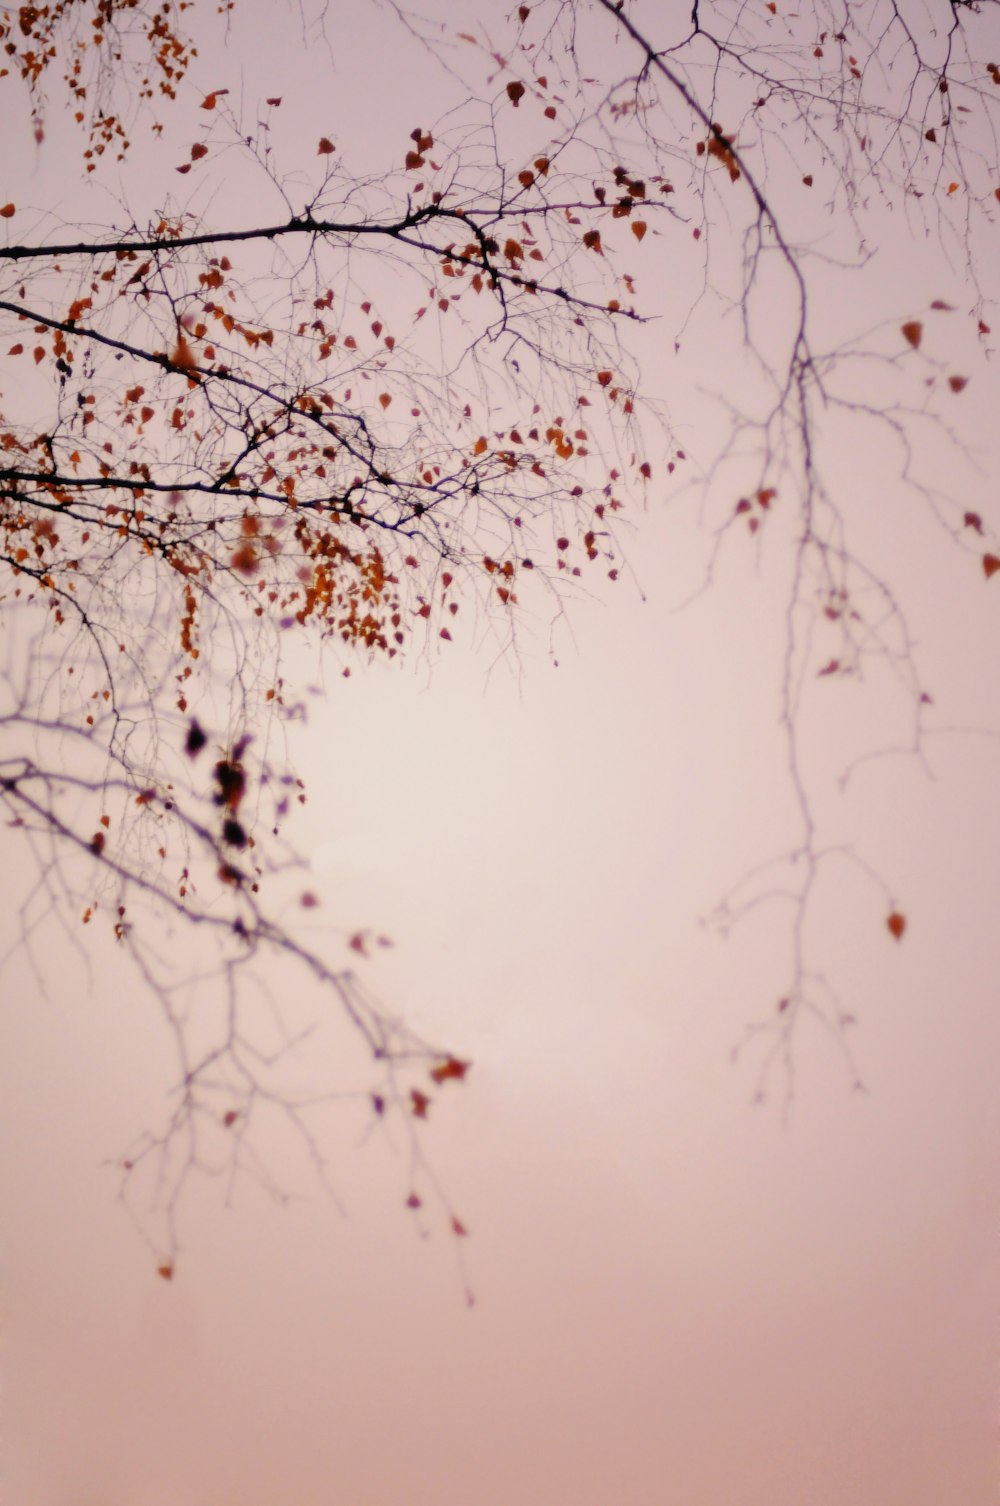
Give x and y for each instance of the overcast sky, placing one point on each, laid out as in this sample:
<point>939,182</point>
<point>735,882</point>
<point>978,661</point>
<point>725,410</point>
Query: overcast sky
<point>682,1297</point>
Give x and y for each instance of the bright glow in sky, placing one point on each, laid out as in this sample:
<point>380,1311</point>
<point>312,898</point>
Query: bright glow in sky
<point>682,1298</point>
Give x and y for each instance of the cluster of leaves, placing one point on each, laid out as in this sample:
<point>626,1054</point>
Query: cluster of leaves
<point>237,446</point>
<point>404,402</point>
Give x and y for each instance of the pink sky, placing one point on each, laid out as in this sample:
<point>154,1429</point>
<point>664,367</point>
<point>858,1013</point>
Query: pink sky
<point>681,1298</point>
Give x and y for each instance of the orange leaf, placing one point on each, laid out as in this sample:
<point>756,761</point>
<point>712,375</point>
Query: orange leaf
<point>638,229</point>
<point>419,1103</point>
<point>991,564</point>
<point>7,211</point>
<point>896,924</point>
<point>384,399</point>
<point>325,147</point>
<point>183,355</point>
<point>451,1067</point>
<point>166,1271</point>
<point>913,331</point>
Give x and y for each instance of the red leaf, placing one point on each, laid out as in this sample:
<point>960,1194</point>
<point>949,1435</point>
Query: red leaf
<point>198,151</point>
<point>451,1067</point>
<point>956,383</point>
<point>515,92</point>
<point>166,1271</point>
<point>7,211</point>
<point>991,564</point>
<point>896,924</point>
<point>325,147</point>
<point>913,332</point>
<point>419,1103</point>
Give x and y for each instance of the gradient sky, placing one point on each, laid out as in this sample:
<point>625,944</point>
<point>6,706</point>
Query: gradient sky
<point>682,1298</point>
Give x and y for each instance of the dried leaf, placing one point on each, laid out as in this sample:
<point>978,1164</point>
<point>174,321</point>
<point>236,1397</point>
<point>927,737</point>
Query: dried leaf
<point>452,1068</point>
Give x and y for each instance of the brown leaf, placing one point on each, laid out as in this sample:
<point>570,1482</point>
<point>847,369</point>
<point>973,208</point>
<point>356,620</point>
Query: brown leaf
<point>515,92</point>
<point>325,147</point>
<point>956,383</point>
<point>913,332</point>
<point>451,1067</point>
<point>7,211</point>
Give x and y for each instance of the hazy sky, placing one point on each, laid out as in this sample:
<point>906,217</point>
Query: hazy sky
<point>682,1298</point>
